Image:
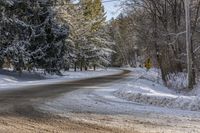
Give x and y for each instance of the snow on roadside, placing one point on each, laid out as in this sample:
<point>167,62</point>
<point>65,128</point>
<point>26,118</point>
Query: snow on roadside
<point>10,80</point>
<point>195,91</point>
<point>177,81</point>
<point>148,89</point>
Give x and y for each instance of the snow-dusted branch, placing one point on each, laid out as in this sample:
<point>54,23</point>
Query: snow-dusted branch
<point>176,36</point>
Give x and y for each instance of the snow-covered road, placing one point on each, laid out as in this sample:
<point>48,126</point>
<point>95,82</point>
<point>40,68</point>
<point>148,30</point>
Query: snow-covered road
<point>98,103</point>
<point>19,112</point>
<point>10,80</point>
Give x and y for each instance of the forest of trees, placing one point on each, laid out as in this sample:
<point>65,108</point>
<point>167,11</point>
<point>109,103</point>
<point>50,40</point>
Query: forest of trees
<point>53,35</point>
<point>156,29</point>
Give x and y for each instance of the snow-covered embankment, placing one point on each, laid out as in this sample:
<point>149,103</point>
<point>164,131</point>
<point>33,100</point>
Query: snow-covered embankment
<point>149,90</point>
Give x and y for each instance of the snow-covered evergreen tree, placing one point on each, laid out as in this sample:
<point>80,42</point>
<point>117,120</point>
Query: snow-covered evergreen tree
<point>31,36</point>
<point>96,47</point>
<point>91,43</point>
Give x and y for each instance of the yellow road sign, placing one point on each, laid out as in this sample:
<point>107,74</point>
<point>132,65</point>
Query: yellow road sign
<point>148,63</point>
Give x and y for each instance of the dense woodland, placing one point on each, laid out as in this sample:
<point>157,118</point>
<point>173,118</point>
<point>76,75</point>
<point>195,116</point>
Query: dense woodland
<point>53,35</point>
<point>156,29</point>
<point>56,35</point>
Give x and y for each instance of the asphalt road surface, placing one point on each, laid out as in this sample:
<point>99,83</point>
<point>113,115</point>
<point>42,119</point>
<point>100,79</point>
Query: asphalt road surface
<point>26,95</point>
<point>18,114</point>
<point>92,110</point>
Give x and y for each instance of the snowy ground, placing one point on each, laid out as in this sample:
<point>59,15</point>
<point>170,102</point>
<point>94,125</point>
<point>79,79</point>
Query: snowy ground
<point>139,101</point>
<point>149,90</point>
<point>140,88</point>
<point>12,80</point>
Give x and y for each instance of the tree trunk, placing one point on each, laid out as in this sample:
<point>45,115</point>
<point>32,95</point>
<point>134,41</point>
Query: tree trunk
<point>86,68</point>
<point>81,66</point>
<point>158,52</point>
<point>75,66</point>
<point>188,45</point>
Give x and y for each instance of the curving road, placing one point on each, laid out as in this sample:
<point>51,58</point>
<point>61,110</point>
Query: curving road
<point>19,112</point>
<point>22,100</point>
<point>88,106</point>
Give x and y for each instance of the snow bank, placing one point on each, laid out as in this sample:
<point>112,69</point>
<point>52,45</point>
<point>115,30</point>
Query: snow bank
<point>153,74</point>
<point>195,91</point>
<point>147,90</point>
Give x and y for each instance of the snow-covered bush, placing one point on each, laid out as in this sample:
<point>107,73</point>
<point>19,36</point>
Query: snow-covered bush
<point>177,80</point>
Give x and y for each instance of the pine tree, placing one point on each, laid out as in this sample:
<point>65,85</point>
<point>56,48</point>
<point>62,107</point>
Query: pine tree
<point>96,47</point>
<point>32,37</point>
<point>88,38</point>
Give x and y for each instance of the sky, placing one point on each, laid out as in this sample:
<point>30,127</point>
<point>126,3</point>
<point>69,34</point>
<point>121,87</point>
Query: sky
<point>112,8</point>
